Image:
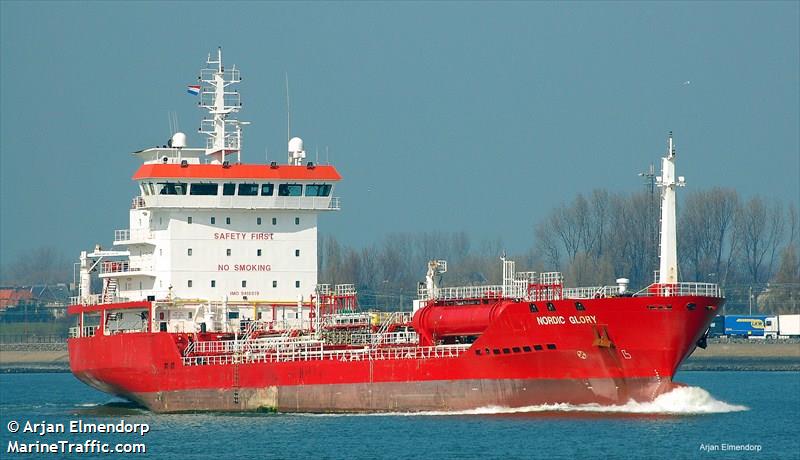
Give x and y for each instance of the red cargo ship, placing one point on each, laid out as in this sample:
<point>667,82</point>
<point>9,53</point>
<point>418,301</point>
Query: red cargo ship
<point>211,302</point>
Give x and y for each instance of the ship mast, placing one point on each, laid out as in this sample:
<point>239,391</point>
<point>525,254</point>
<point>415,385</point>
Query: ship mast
<point>668,269</point>
<point>224,133</point>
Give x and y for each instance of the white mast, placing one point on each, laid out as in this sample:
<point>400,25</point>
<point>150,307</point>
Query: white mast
<point>668,269</point>
<point>224,134</point>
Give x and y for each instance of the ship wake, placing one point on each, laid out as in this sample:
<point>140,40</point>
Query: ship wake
<point>680,401</point>
<point>683,400</point>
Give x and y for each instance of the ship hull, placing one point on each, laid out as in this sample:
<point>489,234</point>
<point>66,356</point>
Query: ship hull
<point>609,352</point>
<point>440,395</point>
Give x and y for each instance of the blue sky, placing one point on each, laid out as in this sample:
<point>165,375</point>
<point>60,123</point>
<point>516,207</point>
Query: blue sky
<point>440,116</point>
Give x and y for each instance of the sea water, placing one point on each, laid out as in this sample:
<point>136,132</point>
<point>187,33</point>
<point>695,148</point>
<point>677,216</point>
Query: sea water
<point>722,415</point>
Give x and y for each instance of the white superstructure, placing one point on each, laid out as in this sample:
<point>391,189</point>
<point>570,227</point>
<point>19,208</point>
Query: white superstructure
<point>212,237</point>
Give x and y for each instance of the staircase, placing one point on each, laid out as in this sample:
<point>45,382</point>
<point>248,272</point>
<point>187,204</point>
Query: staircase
<point>110,288</point>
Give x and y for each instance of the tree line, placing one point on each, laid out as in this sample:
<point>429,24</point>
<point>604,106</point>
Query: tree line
<point>750,247</point>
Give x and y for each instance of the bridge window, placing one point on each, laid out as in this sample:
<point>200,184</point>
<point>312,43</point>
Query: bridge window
<point>189,252</point>
<point>550,306</point>
<point>228,252</point>
<point>516,349</point>
<point>248,189</point>
<point>579,306</point>
<point>213,220</point>
<point>189,220</point>
<point>228,220</point>
<point>228,189</point>
<point>189,283</point>
<point>318,189</point>
<point>258,252</point>
<point>297,284</point>
<point>506,351</point>
<point>274,221</point>
<point>551,346</point>
<point>267,189</point>
<point>213,283</point>
<point>258,221</point>
<point>533,308</point>
<point>297,221</point>
<point>537,347</point>
<point>244,283</point>
<point>290,190</point>
<point>204,189</point>
<point>526,349</point>
<point>496,351</point>
<point>172,188</point>
<point>274,284</point>
<point>297,253</point>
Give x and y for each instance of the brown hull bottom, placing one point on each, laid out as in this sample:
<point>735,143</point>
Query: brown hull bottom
<point>440,395</point>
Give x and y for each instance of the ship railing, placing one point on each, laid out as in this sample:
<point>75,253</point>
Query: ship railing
<point>385,338</point>
<point>117,267</point>
<point>317,352</point>
<point>382,335</point>
<point>335,204</point>
<point>85,331</point>
<point>344,290</point>
<point>592,292</point>
<point>471,292</point>
<point>346,319</point>
<point>681,289</point>
<point>138,202</point>
<point>96,299</point>
<point>233,346</point>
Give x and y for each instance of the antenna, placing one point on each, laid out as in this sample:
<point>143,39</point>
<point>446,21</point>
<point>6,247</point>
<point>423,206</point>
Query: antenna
<point>288,111</point>
<point>317,161</point>
<point>266,155</point>
<point>327,161</point>
<point>169,120</point>
<point>175,127</point>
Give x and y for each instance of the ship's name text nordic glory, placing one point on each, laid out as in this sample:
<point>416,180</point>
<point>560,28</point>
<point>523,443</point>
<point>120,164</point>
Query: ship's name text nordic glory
<point>550,320</point>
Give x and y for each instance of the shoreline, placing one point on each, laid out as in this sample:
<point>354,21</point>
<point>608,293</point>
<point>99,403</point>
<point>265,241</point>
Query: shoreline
<point>720,355</point>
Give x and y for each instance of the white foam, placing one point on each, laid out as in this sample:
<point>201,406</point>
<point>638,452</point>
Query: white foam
<point>679,401</point>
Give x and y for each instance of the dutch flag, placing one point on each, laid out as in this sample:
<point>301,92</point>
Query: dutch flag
<point>194,90</point>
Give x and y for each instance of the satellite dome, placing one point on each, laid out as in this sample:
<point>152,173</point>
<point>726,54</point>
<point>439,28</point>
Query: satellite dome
<point>178,140</point>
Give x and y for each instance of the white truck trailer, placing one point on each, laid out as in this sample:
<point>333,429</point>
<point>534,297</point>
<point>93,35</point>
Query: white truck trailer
<point>783,326</point>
